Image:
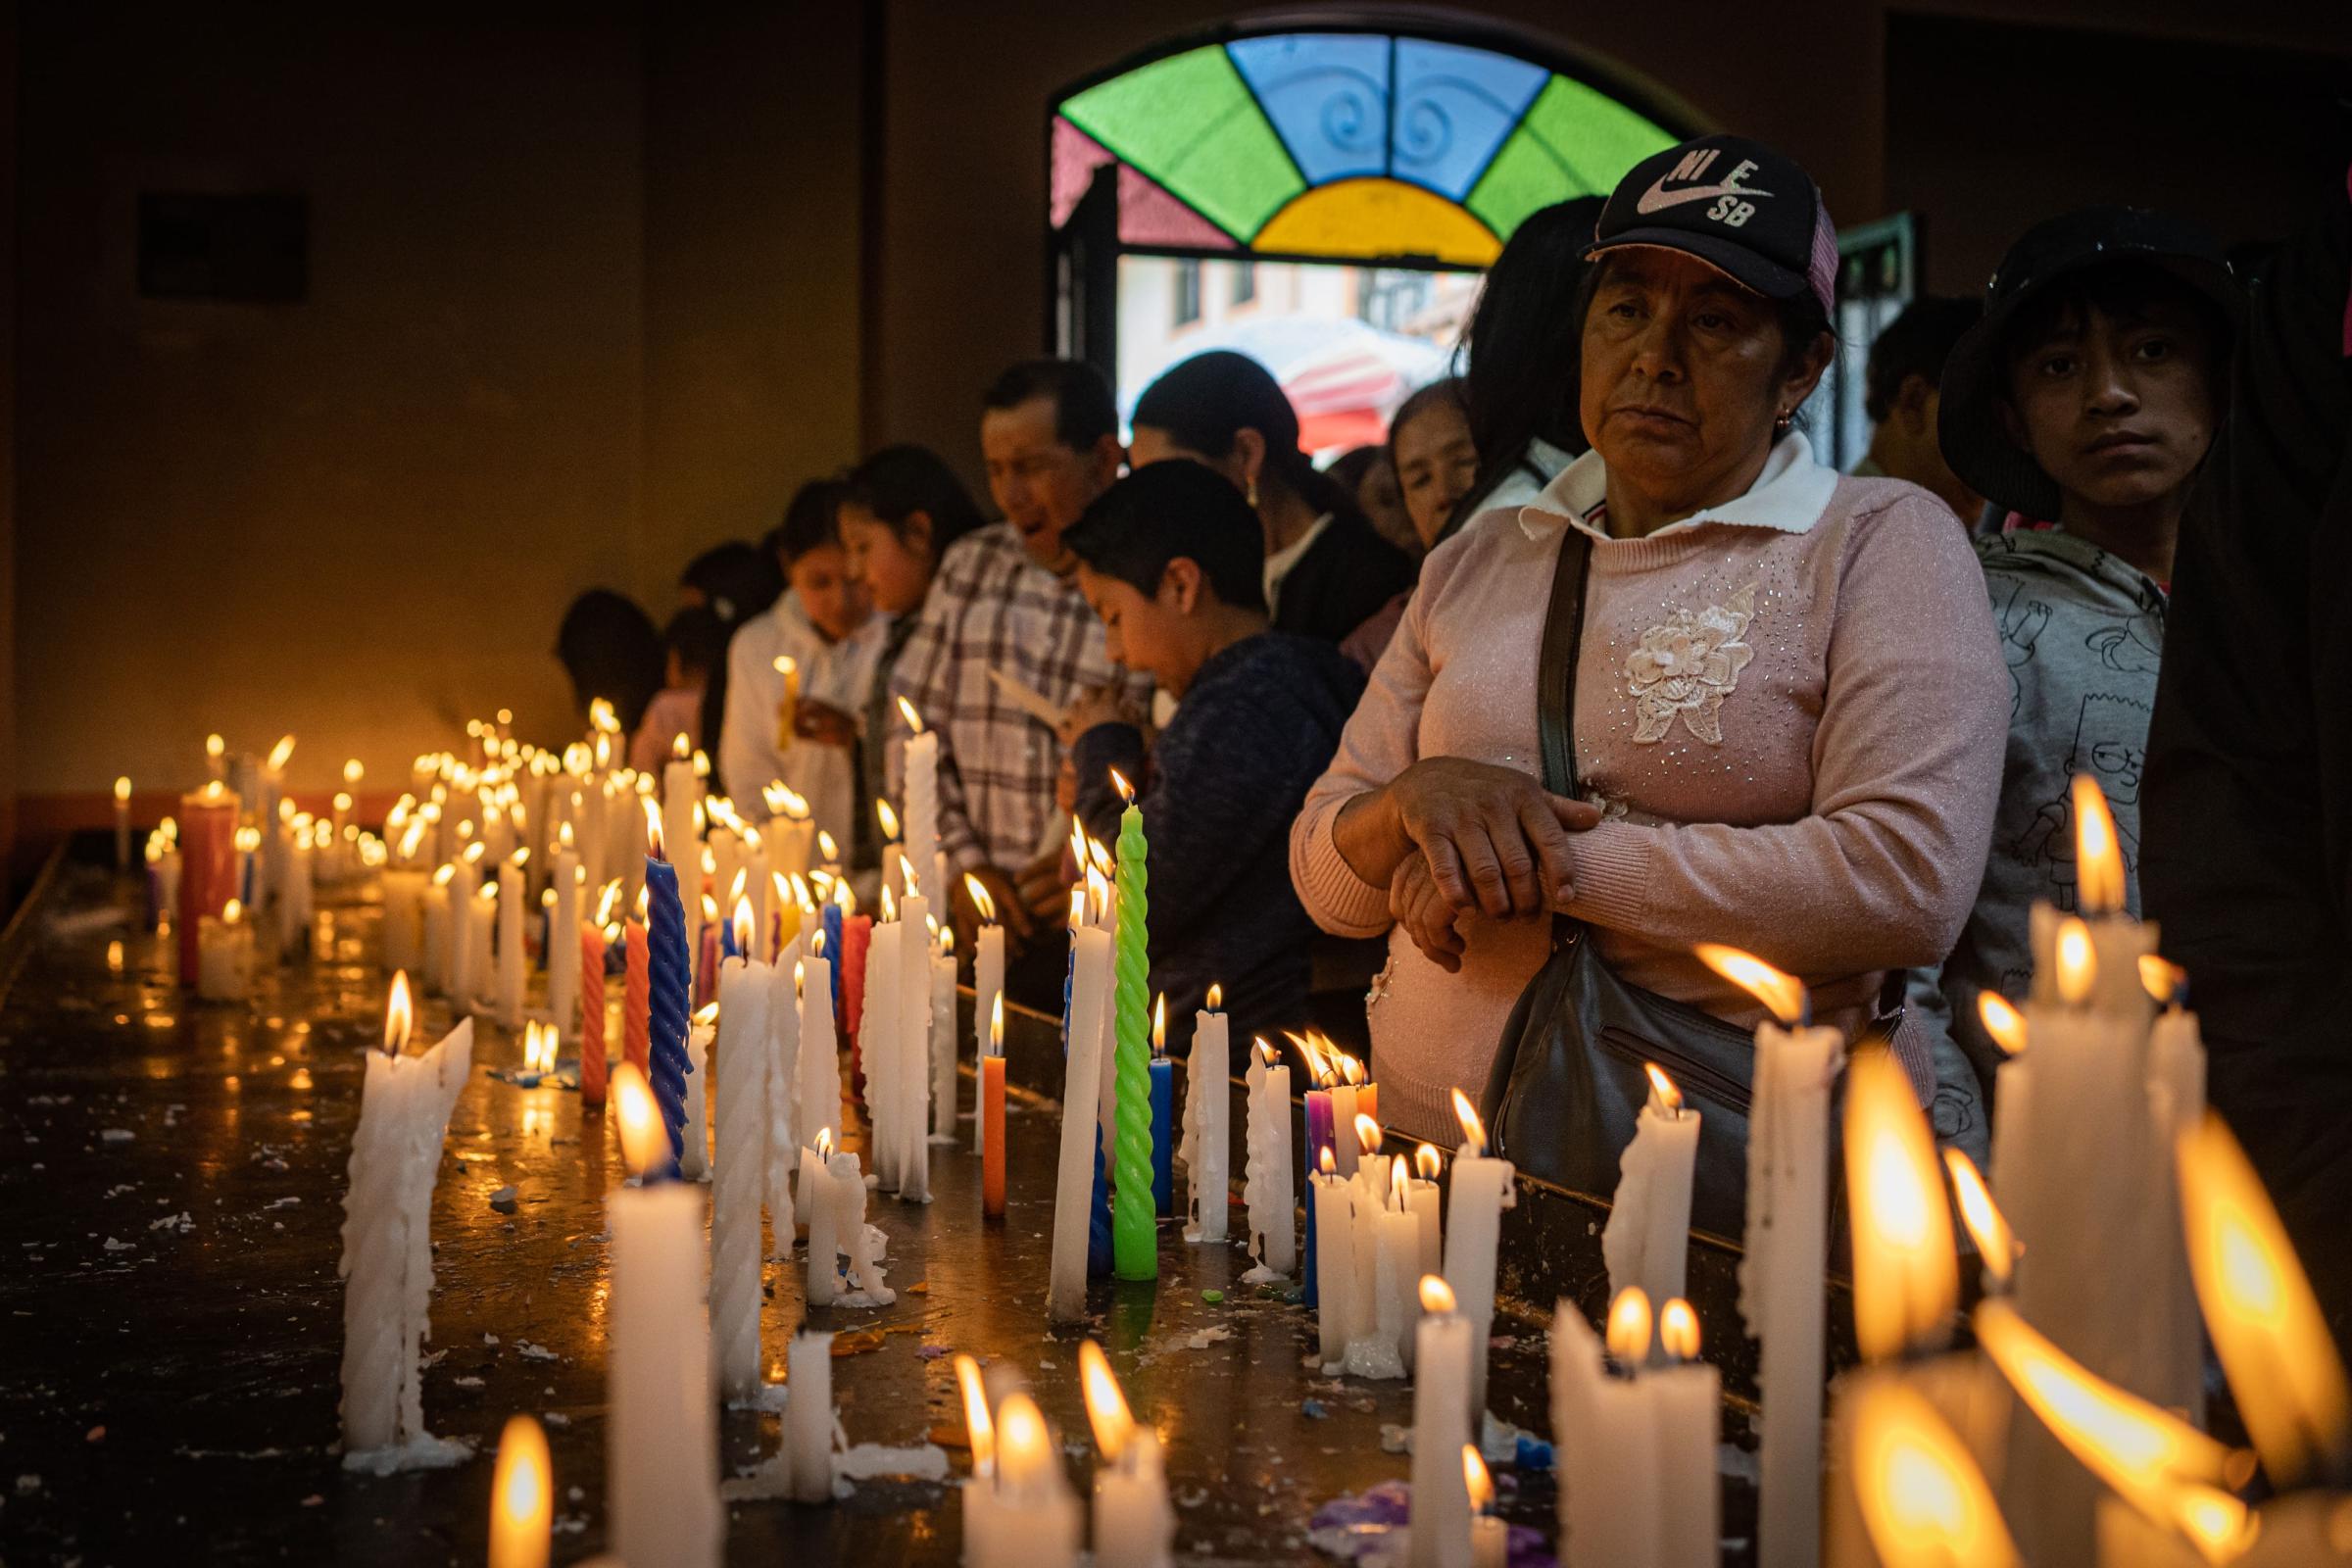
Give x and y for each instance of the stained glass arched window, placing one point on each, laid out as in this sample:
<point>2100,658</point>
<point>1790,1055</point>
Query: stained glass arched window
<point>1341,144</point>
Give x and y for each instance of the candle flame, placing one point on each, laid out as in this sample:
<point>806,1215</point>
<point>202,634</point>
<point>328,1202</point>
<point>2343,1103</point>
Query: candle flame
<point>1105,1406</point>
<point>644,1142</point>
<point>1627,1332</point>
<point>1678,1330</point>
<point>1023,1441</point>
<point>1099,855</point>
<point>1367,1134</point>
<point>1324,1163</point>
<point>1266,1053</point>
<point>2098,855</point>
<point>231,911</point>
<point>400,1014</point>
<point>1427,1162</point>
<point>1668,1098</point>
<point>1906,1275</point>
<point>747,927</point>
<point>522,1490</point>
<point>980,1433</point>
<point>2078,963</point>
<point>1923,1501</point>
<point>1400,1177</point>
<point>1077,907</point>
<point>889,820</point>
<point>1309,1046</point>
<point>845,897</point>
<point>2145,1454</point>
<point>1783,995</point>
<point>1118,781</point>
<point>977,891</point>
<point>710,909</point>
<point>915,720</point>
<point>1099,893</point>
<point>443,876</point>
<point>522,858</point>
<point>653,828</point>
<point>707,1015</point>
<point>213,790</point>
<point>279,753</point>
<point>2003,1022</point>
<point>1216,1002</point>
<point>801,896</point>
<point>1474,1130</point>
<point>2162,980</point>
<point>645,903</point>
<point>996,1026</point>
<point>1159,1025</point>
<point>947,936</point>
<point>353,771</point>
<point>1475,1477</point>
<point>1986,1225</point>
<point>785,665</point>
<point>602,717</point>
<point>215,746</point>
<point>2267,1325</point>
<point>890,905</point>
<point>1437,1296</point>
<point>826,846</point>
<point>824,1143</point>
<point>604,904</point>
<point>123,790</point>
<point>679,751</point>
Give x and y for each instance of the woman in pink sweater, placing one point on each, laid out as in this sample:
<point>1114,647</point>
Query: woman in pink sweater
<point>1789,703</point>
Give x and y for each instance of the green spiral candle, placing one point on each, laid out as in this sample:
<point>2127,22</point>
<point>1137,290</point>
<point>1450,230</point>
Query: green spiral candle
<point>1135,1237</point>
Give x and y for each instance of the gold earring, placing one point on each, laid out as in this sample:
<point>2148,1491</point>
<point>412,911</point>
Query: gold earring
<point>1252,493</point>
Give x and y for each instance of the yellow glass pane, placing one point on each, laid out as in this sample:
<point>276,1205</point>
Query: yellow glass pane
<point>1377,219</point>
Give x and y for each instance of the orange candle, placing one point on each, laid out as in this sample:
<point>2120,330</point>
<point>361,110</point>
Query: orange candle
<point>992,1115</point>
<point>636,1001</point>
<point>592,1016</point>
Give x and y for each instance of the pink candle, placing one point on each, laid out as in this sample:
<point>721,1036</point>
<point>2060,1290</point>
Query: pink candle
<point>592,1065</point>
<point>856,932</point>
<point>636,1001</point>
<point>208,864</point>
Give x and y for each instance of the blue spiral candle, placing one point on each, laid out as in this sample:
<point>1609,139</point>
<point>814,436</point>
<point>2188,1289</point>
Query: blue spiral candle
<point>666,970</point>
<point>829,922</point>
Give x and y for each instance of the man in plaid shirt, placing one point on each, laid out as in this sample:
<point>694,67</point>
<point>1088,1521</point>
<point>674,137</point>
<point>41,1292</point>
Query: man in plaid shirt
<point>1004,598</point>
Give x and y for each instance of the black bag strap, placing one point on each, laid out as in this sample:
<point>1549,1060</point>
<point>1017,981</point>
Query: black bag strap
<point>1555,670</point>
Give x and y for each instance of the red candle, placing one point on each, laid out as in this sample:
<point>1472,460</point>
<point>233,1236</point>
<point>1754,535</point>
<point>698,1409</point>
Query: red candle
<point>208,864</point>
<point>856,932</point>
<point>592,1065</point>
<point>636,1001</point>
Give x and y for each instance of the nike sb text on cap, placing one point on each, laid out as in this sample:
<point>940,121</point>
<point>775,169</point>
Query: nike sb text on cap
<point>1737,205</point>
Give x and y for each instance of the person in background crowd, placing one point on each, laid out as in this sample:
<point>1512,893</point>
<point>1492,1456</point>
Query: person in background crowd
<point>2248,803</point>
<point>1429,445</point>
<point>827,627</point>
<point>1327,571</point>
<point>608,647</point>
<point>2088,395</point>
<point>1519,352</point>
<point>1169,558</point>
<point>694,644</point>
<point>1002,606</point>
<point>897,512</point>
<point>1369,474</point>
<point>734,581</point>
<point>1788,710</point>
<point>1902,395</point>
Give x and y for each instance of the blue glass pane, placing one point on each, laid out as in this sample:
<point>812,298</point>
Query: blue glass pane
<point>1454,107</point>
<point>1327,94</point>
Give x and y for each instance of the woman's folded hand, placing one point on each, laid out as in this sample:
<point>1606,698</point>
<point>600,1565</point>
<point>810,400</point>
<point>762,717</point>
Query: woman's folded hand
<point>1496,841</point>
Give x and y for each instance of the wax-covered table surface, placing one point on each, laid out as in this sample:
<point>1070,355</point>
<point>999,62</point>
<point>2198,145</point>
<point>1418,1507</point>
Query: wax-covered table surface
<point>169,1213</point>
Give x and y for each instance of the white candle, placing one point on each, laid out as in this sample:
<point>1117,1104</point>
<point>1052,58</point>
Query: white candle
<point>921,763</point>
<point>848,1198</point>
<point>435,922</point>
<point>1073,1194</point>
<point>1397,1280</point>
<point>404,918</point>
<point>1133,1522</point>
<point>1481,1188</point>
<point>1646,1240</point>
<point>912,1059</point>
<point>224,955</point>
<point>404,1103</point>
<point>512,913</point>
<point>694,1158</point>
<point>1421,1202</point>
<point>1335,1263</point>
<point>1635,1448</point>
<point>662,1434</point>
<point>1266,1174</point>
<point>1207,1150</point>
<point>879,1047</point>
<point>824,1221</point>
<point>742,1154</point>
<point>819,1100</point>
<point>457,969</point>
<point>1440,1525</point>
<point>942,1012</point>
<point>563,945</point>
<point>1033,1515</point>
<point>809,1416</point>
<point>782,1048</point>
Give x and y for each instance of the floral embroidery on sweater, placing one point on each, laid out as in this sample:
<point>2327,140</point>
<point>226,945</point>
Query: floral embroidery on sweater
<point>1686,665</point>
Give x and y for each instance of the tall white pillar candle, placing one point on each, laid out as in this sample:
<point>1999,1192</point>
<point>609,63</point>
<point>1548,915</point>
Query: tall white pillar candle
<point>1481,1188</point>
<point>742,1080</point>
<point>1074,1185</point>
<point>512,911</point>
<point>1208,1128</point>
<point>782,1049</point>
<point>662,1433</point>
<point>878,1050</point>
<point>1646,1241</point>
<point>1335,1264</point>
<point>1440,1525</point>
<point>1266,1176</point>
<point>849,1197</point>
<point>913,1058</point>
<point>824,1222</point>
<point>809,1416</point>
<point>820,1099</point>
<point>694,1159</point>
<point>942,1012</point>
<point>563,951</point>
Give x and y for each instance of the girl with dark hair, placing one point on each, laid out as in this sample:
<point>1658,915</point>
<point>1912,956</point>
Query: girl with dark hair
<point>1327,570</point>
<point>1519,355</point>
<point>1430,450</point>
<point>694,647</point>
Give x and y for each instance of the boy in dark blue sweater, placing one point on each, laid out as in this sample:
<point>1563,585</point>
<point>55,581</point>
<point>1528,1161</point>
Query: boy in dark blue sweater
<point>1172,558</point>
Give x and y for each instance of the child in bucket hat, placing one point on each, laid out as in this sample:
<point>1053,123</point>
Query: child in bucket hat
<point>2084,402</point>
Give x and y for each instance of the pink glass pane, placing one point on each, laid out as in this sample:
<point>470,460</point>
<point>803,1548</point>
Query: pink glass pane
<point>1149,215</point>
<point>1076,157</point>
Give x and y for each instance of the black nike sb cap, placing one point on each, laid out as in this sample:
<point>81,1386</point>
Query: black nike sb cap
<point>1748,212</point>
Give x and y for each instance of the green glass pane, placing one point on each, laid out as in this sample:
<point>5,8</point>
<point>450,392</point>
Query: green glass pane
<point>1190,124</point>
<point>1573,141</point>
